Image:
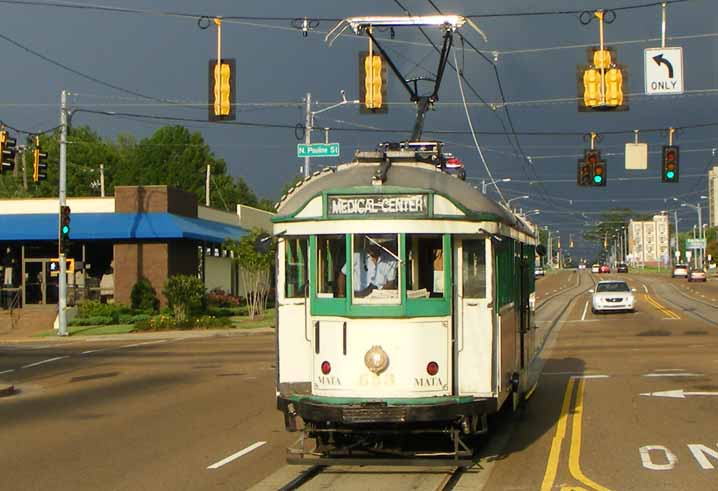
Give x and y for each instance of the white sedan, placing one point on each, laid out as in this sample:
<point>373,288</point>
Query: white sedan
<point>612,295</point>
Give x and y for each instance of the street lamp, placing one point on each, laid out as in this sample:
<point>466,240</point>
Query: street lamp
<point>508,203</point>
<point>483,183</point>
<point>697,207</point>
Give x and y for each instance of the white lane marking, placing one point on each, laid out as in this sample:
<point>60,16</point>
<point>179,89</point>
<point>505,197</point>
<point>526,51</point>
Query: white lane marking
<point>669,370</point>
<point>237,455</point>
<point>575,374</point>
<point>645,288</point>
<point>44,361</point>
<point>143,344</point>
<point>94,351</point>
<point>7,371</point>
<point>590,376</point>
<point>673,374</point>
<point>585,309</point>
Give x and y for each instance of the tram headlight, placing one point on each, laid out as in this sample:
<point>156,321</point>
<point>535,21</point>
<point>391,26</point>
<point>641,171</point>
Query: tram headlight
<point>376,360</point>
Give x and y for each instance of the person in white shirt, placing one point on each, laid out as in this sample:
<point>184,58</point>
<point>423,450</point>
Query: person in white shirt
<point>374,269</point>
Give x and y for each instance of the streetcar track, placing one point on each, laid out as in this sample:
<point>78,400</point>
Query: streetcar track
<point>688,309</point>
<point>303,478</point>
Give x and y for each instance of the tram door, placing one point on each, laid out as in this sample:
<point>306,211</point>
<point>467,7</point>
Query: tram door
<point>524,314</point>
<point>475,335</point>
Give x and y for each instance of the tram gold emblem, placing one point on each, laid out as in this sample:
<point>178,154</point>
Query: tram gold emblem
<point>376,359</point>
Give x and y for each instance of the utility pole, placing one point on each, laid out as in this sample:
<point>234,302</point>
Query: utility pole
<point>23,150</point>
<point>206,186</point>
<point>102,180</point>
<point>678,244</point>
<point>308,117</point>
<point>701,235</point>
<point>62,300</point>
<point>483,186</point>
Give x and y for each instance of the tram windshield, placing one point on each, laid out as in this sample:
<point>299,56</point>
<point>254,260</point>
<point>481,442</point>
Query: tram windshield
<point>375,272</point>
<point>424,268</point>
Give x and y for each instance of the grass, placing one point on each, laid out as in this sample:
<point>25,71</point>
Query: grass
<point>265,320</point>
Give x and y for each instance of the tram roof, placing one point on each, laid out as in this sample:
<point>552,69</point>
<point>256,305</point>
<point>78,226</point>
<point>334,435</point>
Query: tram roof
<point>411,175</point>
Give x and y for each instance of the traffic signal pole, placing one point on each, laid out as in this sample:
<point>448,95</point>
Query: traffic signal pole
<point>62,300</point>
<point>308,130</point>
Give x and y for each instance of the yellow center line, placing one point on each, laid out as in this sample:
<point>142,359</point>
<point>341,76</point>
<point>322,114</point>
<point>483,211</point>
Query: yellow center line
<point>555,453</point>
<point>660,307</point>
<point>575,450</point>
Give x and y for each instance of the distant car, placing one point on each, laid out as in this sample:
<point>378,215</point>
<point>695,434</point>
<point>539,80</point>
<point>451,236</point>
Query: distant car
<point>621,268</point>
<point>605,268</point>
<point>582,266</point>
<point>612,295</point>
<point>538,271</point>
<point>595,268</point>
<point>697,275</point>
<point>680,271</point>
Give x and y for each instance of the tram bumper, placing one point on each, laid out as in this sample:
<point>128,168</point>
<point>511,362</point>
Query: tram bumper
<point>324,410</point>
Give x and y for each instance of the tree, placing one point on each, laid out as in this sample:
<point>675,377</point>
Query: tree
<point>255,269</point>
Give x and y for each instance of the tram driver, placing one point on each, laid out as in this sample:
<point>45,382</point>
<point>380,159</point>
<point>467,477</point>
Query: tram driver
<point>373,269</point>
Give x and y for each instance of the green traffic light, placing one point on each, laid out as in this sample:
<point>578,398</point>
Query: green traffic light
<point>670,174</point>
<point>597,179</point>
<point>65,229</point>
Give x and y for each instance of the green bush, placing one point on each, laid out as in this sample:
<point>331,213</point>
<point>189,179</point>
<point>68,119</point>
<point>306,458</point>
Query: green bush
<point>143,297</point>
<point>166,322</point>
<point>186,295</point>
<point>93,308</point>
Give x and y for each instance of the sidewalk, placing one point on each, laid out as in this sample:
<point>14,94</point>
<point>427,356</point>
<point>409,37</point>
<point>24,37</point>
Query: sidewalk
<point>10,338</point>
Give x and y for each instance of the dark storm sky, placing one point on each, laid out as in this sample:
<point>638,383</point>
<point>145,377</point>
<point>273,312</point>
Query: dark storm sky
<point>166,57</point>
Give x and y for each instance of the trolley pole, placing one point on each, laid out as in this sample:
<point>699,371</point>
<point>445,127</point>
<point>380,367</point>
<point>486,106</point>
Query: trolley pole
<point>62,300</point>
<point>307,130</point>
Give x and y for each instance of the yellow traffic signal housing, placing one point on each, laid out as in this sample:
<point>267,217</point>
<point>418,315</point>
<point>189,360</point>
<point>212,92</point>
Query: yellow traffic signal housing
<point>600,83</point>
<point>39,163</point>
<point>7,152</point>
<point>372,83</point>
<point>222,83</point>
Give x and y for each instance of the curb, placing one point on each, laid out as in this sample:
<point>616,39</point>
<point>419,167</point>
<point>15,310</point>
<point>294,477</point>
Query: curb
<point>193,334</point>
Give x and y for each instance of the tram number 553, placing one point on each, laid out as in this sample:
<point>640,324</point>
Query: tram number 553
<point>382,380</point>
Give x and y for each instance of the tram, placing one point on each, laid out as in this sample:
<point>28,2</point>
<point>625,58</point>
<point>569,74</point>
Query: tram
<point>405,301</point>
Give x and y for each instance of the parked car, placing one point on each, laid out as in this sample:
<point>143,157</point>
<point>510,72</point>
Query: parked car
<point>612,295</point>
<point>621,268</point>
<point>538,271</point>
<point>697,275</point>
<point>680,271</point>
<point>605,268</point>
<point>596,268</point>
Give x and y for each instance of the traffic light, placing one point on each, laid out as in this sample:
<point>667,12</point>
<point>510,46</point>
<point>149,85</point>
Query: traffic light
<point>39,163</point>
<point>669,164</point>
<point>597,166</point>
<point>222,82</point>
<point>372,83</point>
<point>64,228</point>
<point>7,151</point>
<point>584,170</point>
<point>600,83</point>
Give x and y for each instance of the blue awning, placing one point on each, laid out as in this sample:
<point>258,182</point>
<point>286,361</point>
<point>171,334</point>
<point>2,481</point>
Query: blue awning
<point>117,226</point>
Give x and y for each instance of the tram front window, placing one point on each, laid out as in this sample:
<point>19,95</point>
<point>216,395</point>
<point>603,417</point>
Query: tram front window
<point>331,256</point>
<point>424,266</point>
<point>375,276</point>
<point>295,267</point>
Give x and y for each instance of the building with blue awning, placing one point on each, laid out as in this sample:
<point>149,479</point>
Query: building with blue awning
<point>148,231</point>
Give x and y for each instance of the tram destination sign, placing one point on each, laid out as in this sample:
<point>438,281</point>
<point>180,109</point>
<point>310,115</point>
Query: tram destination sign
<point>378,204</point>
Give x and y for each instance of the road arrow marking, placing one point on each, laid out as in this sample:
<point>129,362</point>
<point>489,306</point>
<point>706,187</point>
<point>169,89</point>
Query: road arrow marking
<point>678,394</point>
<point>660,59</point>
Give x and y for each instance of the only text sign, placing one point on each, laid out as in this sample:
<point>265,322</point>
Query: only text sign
<point>664,70</point>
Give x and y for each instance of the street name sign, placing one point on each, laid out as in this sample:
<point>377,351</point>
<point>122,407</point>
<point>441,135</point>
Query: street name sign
<point>663,70</point>
<point>695,243</point>
<point>318,150</point>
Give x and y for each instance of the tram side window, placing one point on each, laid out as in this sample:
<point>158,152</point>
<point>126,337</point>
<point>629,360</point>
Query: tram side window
<point>424,268</point>
<point>331,256</point>
<point>474,268</point>
<point>295,267</point>
<point>375,275</point>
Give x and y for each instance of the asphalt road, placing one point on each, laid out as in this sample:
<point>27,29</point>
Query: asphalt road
<point>625,401</point>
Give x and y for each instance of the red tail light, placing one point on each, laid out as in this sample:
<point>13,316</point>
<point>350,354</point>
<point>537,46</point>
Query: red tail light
<point>432,368</point>
<point>326,367</point>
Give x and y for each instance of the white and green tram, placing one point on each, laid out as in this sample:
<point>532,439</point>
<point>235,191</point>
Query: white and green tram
<point>443,338</point>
